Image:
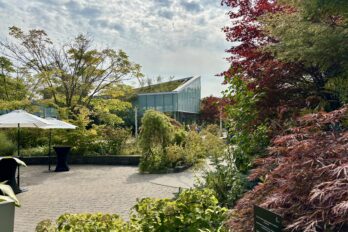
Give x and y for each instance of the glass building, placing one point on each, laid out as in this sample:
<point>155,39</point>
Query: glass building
<point>180,99</point>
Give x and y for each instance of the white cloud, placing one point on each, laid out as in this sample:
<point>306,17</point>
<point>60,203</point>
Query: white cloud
<point>167,37</point>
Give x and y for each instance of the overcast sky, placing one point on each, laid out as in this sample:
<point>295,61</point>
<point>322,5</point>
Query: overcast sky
<point>167,37</point>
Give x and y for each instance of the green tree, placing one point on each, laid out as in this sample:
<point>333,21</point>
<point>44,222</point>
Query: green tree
<point>73,75</point>
<point>13,90</point>
<point>314,34</point>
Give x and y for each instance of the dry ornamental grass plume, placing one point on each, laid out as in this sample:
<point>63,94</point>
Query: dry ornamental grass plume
<point>305,177</point>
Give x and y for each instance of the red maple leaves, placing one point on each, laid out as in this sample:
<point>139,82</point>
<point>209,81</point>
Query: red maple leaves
<point>306,176</point>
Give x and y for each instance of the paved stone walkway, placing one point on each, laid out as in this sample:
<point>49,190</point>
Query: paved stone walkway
<point>107,189</point>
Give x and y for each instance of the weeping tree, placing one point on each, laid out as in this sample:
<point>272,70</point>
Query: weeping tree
<point>71,76</point>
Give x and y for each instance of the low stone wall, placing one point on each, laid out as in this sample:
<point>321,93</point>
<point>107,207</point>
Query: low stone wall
<point>75,159</point>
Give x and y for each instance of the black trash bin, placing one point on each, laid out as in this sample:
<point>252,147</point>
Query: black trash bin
<point>62,158</point>
<point>8,169</point>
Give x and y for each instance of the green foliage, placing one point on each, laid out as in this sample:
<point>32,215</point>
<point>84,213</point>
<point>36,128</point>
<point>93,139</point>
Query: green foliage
<point>313,36</point>
<point>12,88</point>
<point>179,136</point>
<point>156,131</point>
<point>227,182</point>
<point>165,146</point>
<point>248,139</point>
<point>35,151</point>
<point>154,162</point>
<point>84,223</point>
<point>339,86</point>
<point>214,146</point>
<point>7,147</point>
<point>193,210</point>
<point>162,87</point>
<point>175,155</point>
<point>7,194</point>
<point>156,134</point>
<point>115,139</point>
<point>194,148</point>
<point>212,129</point>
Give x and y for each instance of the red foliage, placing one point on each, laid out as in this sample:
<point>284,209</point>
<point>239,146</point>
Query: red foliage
<point>279,81</point>
<point>211,107</point>
<point>306,177</point>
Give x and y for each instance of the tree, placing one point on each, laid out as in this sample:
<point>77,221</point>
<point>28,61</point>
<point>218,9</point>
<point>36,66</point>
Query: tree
<point>73,75</point>
<point>212,108</point>
<point>314,34</point>
<point>13,89</point>
<point>303,177</point>
<point>286,83</point>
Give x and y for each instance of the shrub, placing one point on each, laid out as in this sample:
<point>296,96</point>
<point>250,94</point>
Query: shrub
<point>35,151</point>
<point>179,136</point>
<point>156,162</point>
<point>84,223</point>
<point>156,130</point>
<point>212,129</point>
<point>115,139</point>
<point>7,147</point>
<point>214,146</point>
<point>304,177</point>
<point>194,148</point>
<point>156,134</point>
<point>193,210</point>
<point>225,180</point>
<point>175,155</point>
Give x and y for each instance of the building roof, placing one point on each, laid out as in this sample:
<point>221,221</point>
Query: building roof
<point>168,86</point>
<point>165,87</point>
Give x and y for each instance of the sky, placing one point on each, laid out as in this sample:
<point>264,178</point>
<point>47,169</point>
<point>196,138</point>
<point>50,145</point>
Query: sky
<point>178,38</point>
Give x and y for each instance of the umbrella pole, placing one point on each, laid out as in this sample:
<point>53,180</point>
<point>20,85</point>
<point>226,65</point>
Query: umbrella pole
<point>18,153</point>
<point>49,151</point>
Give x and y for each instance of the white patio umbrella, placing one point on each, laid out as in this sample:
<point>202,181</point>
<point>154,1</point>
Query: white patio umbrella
<point>55,124</point>
<point>20,119</point>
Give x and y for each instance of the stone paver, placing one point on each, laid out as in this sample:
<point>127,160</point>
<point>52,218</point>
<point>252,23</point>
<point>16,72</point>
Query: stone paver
<point>107,189</point>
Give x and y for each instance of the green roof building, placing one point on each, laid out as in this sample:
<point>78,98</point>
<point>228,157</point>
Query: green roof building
<point>180,99</point>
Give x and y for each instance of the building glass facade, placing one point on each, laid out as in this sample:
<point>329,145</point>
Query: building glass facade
<point>182,104</point>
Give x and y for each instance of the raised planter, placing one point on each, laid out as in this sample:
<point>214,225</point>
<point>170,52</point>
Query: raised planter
<point>7,211</point>
<point>95,160</point>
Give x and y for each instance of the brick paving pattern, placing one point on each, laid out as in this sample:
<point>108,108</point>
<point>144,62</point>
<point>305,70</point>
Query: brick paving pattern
<point>107,189</point>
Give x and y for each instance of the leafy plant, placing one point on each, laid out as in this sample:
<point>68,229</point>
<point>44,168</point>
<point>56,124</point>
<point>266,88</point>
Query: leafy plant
<point>304,177</point>
<point>84,223</point>
<point>248,137</point>
<point>212,129</point>
<point>115,139</point>
<point>7,194</point>
<point>35,151</point>
<point>156,134</point>
<point>7,147</point>
<point>193,210</point>
<point>194,148</point>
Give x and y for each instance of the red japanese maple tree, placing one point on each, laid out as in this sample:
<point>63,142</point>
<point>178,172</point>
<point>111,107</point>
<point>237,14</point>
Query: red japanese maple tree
<point>280,82</point>
<point>212,108</point>
<point>304,177</point>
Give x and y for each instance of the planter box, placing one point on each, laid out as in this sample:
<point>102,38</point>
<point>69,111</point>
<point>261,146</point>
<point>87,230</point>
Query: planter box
<point>7,211</point>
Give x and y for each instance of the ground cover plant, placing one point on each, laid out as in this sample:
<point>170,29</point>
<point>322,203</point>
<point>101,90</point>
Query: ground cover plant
<point>192,210</point>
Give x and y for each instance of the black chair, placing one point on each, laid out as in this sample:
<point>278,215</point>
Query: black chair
<point>8,169</point>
